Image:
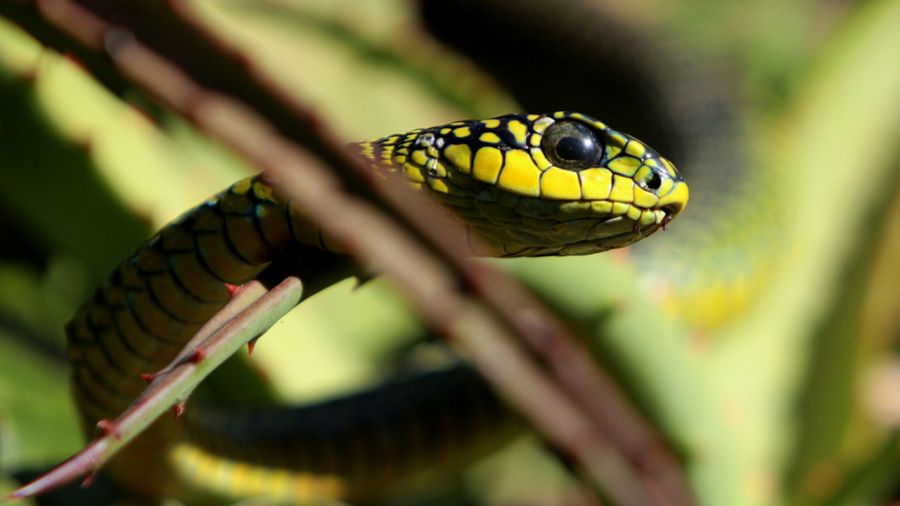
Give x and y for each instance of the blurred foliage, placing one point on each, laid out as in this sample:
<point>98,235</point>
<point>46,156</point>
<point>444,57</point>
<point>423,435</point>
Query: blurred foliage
<point>792,398</point>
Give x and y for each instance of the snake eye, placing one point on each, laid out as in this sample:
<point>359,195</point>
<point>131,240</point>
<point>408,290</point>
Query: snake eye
<point>572,145</point>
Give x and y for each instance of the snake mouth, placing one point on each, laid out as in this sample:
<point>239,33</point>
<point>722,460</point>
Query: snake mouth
<point>671,211</point>
<point>669,214</point>
<point>542,227</point>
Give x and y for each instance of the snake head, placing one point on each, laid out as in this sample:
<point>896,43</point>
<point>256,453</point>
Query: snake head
<point>535,185</point>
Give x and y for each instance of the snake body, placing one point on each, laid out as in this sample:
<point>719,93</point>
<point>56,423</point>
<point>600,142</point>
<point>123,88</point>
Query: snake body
<point>525,185</point>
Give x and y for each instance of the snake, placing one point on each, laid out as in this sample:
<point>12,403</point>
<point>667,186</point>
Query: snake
<point>561,183</point>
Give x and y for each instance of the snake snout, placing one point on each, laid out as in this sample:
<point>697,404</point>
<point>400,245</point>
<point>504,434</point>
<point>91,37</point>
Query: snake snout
<point>674,202</point>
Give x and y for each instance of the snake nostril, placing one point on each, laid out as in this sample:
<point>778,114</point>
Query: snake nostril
<point>654,182</point>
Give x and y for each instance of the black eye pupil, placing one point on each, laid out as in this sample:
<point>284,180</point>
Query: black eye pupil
<point>572,145</point>
<point>573,148</point>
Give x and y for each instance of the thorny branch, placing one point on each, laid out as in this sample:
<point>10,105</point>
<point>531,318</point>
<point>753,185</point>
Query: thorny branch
<point>164,49</point>
<point>251,311</point>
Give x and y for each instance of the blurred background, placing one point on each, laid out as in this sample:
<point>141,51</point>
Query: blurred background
<point>759,332</point>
